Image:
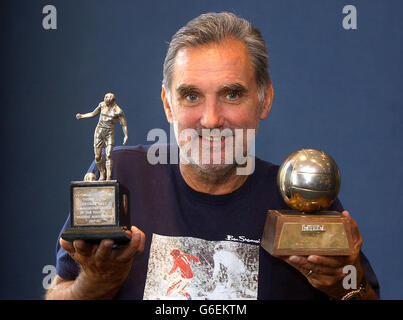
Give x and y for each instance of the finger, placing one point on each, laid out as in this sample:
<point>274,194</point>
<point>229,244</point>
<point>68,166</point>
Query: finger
<point>301,264</point>
<point>139,236</point>
<point>346,214</point>
<point>305,266</point>
<point>298,262</point>
<point>104,250</point>
<point>136,245</point>
<point>319,270</point>
<point>128,234</point>
<point>138,240</point>
<point>83,248</point>
<point>329,262</point>
<point>67,245</point>
<point>142,244</point>
<point>325,283</point>
<point>355,232</point>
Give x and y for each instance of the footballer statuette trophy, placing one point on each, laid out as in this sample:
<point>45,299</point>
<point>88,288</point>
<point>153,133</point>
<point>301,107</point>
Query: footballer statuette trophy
<point>99,209</point>
<point>309,181</point>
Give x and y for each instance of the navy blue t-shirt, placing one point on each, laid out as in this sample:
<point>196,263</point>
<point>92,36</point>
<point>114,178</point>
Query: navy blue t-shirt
<point>201,246</point>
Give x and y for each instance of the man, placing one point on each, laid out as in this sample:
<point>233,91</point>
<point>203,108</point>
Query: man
<point>215,79</point>
<point>105,132</point>
<point>183,262</point>
<point>228,270</point>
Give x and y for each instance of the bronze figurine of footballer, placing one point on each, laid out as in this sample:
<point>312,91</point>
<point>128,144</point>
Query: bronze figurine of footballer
<point>105,132</point>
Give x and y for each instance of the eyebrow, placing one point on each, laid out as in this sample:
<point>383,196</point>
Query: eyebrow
<point>237,87</point>
<point>185,89</point>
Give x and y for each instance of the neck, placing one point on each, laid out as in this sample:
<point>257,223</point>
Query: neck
<point>215,182</point>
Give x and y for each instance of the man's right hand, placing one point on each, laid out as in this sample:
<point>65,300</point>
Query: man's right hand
<point>103,268</point>
<point>79,116</point>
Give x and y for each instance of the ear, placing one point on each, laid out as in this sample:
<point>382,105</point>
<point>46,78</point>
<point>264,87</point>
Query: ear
<point>167,107</point>
<point>267,102</point>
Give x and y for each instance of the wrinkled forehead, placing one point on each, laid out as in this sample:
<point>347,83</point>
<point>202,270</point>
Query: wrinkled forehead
<point>216,63</point>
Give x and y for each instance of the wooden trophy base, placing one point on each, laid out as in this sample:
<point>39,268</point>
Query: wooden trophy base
<point>289,232</point>
<point>96,234</point>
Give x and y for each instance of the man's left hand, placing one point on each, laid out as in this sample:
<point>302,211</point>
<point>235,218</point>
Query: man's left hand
<point>326,272</point>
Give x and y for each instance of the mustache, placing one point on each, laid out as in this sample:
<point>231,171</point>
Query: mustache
<point>211,134</point>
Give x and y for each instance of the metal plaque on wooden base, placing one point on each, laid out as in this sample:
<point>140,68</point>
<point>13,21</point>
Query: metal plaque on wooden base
<point>289,232</point>
<point>309,181</point>
<point>98,210</point>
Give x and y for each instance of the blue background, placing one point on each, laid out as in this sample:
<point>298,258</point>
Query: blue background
<point>337,90</point>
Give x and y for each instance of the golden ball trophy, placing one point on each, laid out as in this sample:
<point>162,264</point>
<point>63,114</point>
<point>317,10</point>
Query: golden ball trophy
<point>309,181</point>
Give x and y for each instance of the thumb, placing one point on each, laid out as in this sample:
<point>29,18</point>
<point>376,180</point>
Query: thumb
<point>355,233</point>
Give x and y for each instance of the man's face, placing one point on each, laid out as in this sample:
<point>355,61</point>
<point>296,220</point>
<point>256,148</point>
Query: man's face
<point>214,87</point>
<point>108,99</point>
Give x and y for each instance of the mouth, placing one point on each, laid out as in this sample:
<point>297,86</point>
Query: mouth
<point>213,142</point>
<point>213,138</point>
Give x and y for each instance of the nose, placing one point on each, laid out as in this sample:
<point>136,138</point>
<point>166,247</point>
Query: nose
<point>212,116</point>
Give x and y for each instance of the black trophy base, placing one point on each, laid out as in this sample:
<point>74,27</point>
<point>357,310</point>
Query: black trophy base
<point>96,234</point>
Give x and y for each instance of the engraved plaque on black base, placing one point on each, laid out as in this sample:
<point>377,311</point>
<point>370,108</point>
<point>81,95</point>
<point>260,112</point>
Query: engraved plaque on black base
<point>98,210</point>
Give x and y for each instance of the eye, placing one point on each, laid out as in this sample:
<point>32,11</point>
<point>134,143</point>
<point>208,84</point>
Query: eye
<point>233,95</point>
<point>192,97</point>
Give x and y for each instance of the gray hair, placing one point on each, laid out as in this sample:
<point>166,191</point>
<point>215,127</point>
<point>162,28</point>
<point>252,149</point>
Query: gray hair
<point>214,28</point>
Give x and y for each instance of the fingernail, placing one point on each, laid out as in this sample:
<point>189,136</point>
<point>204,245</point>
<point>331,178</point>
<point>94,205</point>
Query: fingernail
<point>294,259</point>
<point>78,244</point>
<point>313,259</point>
<point>136,235</point>
<point>108,243</point>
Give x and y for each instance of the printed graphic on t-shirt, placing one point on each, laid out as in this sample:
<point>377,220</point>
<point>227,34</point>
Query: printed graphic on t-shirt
<point>192,268</point>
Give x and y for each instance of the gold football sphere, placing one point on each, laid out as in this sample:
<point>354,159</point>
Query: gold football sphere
<point>309,180</point>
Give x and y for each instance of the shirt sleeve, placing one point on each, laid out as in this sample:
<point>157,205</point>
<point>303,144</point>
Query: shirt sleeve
<point>369,272</point>
<point>66,267</point>
<point>336,206</point>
